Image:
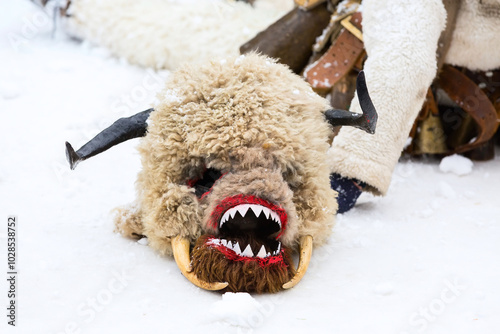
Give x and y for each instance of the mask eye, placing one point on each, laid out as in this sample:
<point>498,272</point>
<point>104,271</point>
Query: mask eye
<point>203,185</point>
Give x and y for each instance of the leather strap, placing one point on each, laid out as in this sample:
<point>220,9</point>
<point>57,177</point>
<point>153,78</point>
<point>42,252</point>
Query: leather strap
<point>338,60</point>
<point>474,101</point>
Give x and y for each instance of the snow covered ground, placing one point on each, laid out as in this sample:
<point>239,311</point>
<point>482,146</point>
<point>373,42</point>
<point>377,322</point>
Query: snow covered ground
<point>424,259</point>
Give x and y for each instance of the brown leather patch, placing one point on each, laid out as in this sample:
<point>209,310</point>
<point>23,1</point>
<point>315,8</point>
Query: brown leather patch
<point>338,60</point>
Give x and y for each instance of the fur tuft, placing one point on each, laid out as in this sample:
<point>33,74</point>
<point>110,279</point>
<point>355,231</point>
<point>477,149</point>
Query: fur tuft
<point>210,265</point>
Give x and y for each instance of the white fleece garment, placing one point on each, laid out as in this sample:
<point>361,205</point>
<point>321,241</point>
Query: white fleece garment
<point>164,33</point>
<point>401,42</point>
<point>476,38</point>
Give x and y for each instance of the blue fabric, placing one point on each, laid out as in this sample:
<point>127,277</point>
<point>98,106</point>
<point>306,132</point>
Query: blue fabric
<point>348,189</point>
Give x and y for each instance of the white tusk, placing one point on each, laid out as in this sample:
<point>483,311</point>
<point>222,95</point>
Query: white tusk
<point>180,247</point>
<point>305,253</point>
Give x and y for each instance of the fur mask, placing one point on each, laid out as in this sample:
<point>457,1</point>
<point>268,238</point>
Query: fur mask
<point>233,162</point>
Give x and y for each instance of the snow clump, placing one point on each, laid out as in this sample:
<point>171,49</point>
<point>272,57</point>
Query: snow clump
<point>456,164</point>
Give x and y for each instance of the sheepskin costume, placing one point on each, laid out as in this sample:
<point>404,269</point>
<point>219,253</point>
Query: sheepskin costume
<point>164,33</point>
<point>260,129</point>
<point>401,39</point>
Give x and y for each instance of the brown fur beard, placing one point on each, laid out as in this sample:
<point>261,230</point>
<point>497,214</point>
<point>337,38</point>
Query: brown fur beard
<point>244,274</point>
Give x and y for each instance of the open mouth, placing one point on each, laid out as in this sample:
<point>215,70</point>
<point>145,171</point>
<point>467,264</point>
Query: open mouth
<point>249,229</point>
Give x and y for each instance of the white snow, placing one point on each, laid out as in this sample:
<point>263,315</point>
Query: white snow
<point>384,289</point>
<point>446,190</point>
<point>456,164</point>
<point>9,90</point>
<point>423,259</point>
<point>235,309</point>
<point>143,241</point>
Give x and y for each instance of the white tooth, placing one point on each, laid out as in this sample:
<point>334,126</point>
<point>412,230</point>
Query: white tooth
<point>232,212</point>
<point>267,212</point>
<point>243,209</point>
<point>224,242</point>
<point>262,252</point>
<point>224,218</point>
<point>257,209</point>
<point>236,248</point>
<point>274,216</point>
<point>279,248</point>
<point>268,254</point>
<point>247,252</point>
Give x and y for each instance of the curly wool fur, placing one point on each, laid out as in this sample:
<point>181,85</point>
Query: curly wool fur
<point>250,118</point>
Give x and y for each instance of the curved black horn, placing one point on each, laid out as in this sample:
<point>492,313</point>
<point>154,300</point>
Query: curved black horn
<point>367,120</point>
<point>123,129</point>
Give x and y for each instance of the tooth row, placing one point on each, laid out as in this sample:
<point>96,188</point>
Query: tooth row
<point>243,209</point>
<point>247,252</point>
